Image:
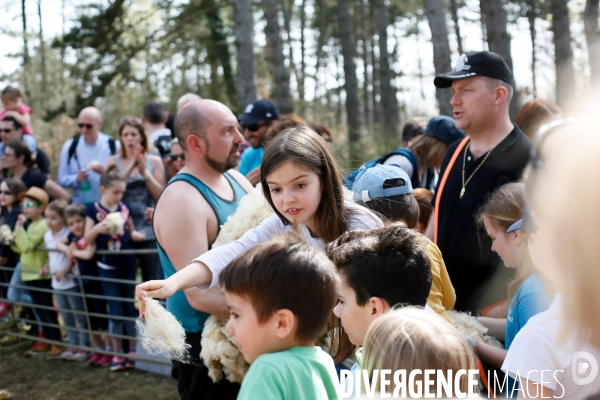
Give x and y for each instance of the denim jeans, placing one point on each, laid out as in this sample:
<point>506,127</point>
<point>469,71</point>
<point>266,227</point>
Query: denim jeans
<point>119,307</point>
<point>70,299</point>
<point>47,316</point>
<point>17,294</point>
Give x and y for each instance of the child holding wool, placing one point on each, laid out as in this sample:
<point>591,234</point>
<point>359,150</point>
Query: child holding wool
<point>387,190</point>
<point>117,266</point>
<point>67,295</point>
<point>29,234</point>
<point>277,314</point>
<point>82,255</point>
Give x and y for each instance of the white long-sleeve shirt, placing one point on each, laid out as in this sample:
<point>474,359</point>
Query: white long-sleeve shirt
<point>218,258</point>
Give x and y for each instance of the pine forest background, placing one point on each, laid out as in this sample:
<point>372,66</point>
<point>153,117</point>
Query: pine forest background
<point>360,67</point>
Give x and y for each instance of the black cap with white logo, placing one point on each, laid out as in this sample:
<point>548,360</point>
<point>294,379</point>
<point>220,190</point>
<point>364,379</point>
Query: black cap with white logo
<point>259,110</point>
<point>476,63</point>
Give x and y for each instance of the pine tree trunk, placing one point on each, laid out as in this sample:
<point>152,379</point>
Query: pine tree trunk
<point>498,39</point>
<point>563,54</point>
<point>592,35</point>
<point>375,94</point>
<point>246,75</point>
<point>365,61</point>
<point>531,18</point>
<point>281,95</point>
<point>26,60</point>
<point>441,50</point>
<point>301,80</point>
<point>219,43</point>
<point>350,80</point>
<point>42,51</point>
<point>322,14</point>
<point>389,101</point>
<point>454,12</point>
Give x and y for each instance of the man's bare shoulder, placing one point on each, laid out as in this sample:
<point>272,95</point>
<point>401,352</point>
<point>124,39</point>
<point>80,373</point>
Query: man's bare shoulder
<point>241,179</point>
<point>181,196</point>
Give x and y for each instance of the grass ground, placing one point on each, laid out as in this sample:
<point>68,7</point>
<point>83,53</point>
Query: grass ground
<point>26,377</point>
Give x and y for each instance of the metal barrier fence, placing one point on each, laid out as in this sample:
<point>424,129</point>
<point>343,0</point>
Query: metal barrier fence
<point>13,327</point>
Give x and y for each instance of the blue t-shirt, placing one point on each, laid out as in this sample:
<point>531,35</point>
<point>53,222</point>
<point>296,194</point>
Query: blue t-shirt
<point>530,299</point>
<point>97,212</point>
<point>251,159</point>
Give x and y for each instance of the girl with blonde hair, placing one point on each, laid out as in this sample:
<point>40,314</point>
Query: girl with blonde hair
<point>411,338</point>
<point>526,293</point>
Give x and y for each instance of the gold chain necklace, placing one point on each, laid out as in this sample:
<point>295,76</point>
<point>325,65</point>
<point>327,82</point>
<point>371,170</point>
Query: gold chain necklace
<point>464,184</point>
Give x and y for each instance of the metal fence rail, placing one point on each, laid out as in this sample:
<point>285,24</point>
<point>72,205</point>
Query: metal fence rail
<point>12,329</point>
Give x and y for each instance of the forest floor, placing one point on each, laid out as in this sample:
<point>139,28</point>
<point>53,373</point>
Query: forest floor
<point>26,377</point>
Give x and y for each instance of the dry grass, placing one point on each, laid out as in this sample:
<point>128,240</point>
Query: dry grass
<point>26,377</point>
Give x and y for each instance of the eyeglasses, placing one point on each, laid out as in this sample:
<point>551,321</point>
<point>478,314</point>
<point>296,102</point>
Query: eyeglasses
<point>130,121</point>
<point>29,204</point>
<point>88,126</point>
<point>6,130</point>
<point>253,127</point>
<point>6,192</point>
<point>174,157</point>
<point>9,155</point>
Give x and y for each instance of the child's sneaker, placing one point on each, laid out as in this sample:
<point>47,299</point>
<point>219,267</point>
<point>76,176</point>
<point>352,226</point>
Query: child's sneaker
<point>81,356</point>
<point>105,361</point>
<point>68,355</point>
<point>39,348</point>
<point>55,352</point>
<point>130,362</point>
<point>118,364</point>
<point>95,358</point>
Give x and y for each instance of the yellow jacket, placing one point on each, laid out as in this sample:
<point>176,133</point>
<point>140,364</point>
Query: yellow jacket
<point>442,295</point>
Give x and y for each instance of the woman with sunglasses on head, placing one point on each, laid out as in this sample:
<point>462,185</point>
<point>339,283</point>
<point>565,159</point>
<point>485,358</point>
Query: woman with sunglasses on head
<point>145,177</point>
<point>18,160</point>
<point>177,159</point>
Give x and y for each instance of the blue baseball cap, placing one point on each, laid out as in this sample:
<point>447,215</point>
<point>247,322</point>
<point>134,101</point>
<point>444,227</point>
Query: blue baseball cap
<point>443,128</point>
<point>369,182</point>
<point>259,110</point>
<point>525,223</point>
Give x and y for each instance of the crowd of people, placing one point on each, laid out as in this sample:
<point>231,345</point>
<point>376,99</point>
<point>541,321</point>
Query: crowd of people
<point>376,261</point>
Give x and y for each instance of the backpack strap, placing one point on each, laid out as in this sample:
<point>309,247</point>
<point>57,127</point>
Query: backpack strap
<point>438,195</point>
<point>72,148</point>
<point>113,146</point>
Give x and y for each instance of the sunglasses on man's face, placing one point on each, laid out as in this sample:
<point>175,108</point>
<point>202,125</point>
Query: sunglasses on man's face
<point>29,204</point>
<point>174,157</point>
<point>252,127</point>
<point>88,126</point>
<point>6,130</point>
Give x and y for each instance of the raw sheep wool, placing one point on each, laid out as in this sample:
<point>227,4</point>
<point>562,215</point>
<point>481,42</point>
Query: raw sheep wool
<point>115,222</point>
<point>470,327</point>
<point>219,353</point>
<point>161,333</point>
<point>6,235</point>
<point>93,164</point>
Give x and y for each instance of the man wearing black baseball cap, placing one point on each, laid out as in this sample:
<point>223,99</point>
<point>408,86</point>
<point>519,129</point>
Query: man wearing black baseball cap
<point>257,118</point>
<point>495,153</point>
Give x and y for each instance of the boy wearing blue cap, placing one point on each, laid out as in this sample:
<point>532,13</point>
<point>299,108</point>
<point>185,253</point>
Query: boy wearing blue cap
<point>387,190</point>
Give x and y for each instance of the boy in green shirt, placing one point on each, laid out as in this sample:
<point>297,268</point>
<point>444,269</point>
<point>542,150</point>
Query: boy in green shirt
<point>34,263</point>
<point>280,295</point>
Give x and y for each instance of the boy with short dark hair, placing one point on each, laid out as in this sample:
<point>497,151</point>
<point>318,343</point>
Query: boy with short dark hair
<point>387,190</point>
<point>280,294</point>
<point>379,269</point>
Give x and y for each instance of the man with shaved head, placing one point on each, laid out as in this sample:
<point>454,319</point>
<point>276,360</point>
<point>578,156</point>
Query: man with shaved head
<point>78,152</point>
<point>189,212</point>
